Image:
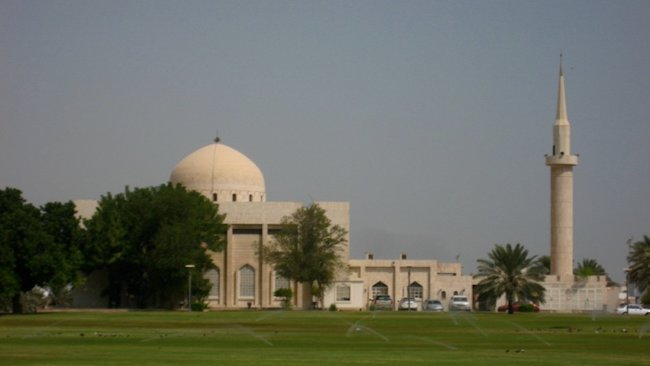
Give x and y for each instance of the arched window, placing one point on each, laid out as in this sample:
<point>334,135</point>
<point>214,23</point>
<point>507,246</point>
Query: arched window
<point>247,282</point>
<point>234,197</point>
<point>415,290</point>
<point>214,197</point>
<point>281,282</point>
<point>214,277</point>
<point>250,198</point>
<point>379,288</point>
<point>443,295</point>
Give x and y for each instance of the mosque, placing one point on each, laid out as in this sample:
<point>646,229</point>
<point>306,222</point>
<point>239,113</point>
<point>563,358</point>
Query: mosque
<point>241,279</point>
<point>234,182</point>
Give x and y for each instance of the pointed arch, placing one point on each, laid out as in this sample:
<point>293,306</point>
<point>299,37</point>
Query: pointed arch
<point>214,276</point>
<point>415,290</point>
<point>247,282</point>
<point>280,282</point>
<point>379,288</point>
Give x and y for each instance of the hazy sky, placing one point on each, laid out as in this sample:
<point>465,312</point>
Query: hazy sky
<point>431,118</point>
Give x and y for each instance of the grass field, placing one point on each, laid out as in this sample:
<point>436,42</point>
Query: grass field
<point>322,338</point>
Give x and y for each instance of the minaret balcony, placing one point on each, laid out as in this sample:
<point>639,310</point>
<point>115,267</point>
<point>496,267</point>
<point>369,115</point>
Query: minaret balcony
<point>561,160</point>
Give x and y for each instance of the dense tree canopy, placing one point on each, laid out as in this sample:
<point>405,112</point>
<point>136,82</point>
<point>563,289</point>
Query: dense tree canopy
<point>308,248</point>
<point>510,271</point>
<point>145,237</point>
<point>38,247</point>
<point>639,259</point>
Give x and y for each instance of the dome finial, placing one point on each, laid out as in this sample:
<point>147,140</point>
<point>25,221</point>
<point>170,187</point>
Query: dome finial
<point>217,139</point>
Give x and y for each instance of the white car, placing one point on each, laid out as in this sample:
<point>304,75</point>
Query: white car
<point>408,304</point>
<point>632,309</point>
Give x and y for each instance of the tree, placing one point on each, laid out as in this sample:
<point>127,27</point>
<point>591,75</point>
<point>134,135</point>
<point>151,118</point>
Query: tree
<point>37,247</point>
<point>62,224</point>
<point>510,271</point>
<point>589,267</point>
<point>145,237</point>
<point>545,261</point>
<point>639,264</point>
<point>307,249</point>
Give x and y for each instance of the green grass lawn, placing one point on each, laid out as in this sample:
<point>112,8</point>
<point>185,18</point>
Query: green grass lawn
<point>322,338</point>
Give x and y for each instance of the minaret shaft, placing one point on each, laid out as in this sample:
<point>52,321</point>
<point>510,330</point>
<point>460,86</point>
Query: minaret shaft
<point>562,220</point>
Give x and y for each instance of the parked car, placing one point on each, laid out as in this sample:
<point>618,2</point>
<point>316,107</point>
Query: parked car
<point>516,306</point>
<point>459,303</point>
<point>632,309</point>
<point>382,302</point>
<point>433,305</point>
<point>408,303</point>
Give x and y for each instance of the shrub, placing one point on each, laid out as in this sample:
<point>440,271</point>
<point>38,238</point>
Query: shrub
<point>526,308</point>
<point>199,306</point>
<point>286,294</point>
<point>333,307</point>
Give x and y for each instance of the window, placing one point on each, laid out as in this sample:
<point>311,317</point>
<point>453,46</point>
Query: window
<point>250,198</point>
<point>213,276</point>
<point>247,282</point>
<point>281,282</point>
<point>274,231</point>
<point>234,197</point>
<point>214,197</point>
<point>342,293</point>
<point>247,231</point>
<point>415,290</point>
<point>379,288</point>
<point>443,295</point>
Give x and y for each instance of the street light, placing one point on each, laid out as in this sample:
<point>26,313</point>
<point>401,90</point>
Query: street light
<point>189,286</point>
<point>408,287</point>
<point>627,286</point>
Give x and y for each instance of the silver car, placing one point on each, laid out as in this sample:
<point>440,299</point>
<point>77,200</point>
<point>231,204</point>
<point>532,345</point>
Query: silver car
<point>382,302</point>
<point>433,305</point>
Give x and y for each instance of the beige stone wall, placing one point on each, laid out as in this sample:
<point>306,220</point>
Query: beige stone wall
<point>575,294</point>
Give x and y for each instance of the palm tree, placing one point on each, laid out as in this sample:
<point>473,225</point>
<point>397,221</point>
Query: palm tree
<point>510,271</point>
<point>545,261</point>
<point>639,260</point>
<point>589,267</point>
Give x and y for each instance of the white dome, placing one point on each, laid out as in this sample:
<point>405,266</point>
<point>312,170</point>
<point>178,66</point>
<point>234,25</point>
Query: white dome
<point>222,174</point>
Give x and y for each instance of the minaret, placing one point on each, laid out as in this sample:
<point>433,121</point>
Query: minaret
<point>561,163</point>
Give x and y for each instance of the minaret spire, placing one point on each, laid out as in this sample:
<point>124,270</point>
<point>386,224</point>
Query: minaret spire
<point>561,115</point>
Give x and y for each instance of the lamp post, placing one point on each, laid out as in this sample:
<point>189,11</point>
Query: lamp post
<point>408,287</point>
<point>627,273</point>
<point>189,286</point>
<point>627,287</point>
